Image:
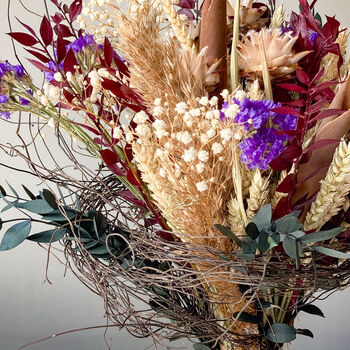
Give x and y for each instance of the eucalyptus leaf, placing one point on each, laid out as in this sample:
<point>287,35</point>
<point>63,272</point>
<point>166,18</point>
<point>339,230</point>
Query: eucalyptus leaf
<point>331,252</point>
<point>273,240</point>
<point>263,217</point>
<point>48,236</point>
<point>0,223</point>
<point>292,247</point>
<point>305,332</point>
<point>281,333</point>
<point>50,199</point>
<point>252,230</point>
<point>99,249</point>
<point>29,193</point>
<point>37,206</point>
<point>201,347</point>
<point>228,233</point>
<point>263,244</point>
<point>311,309</point>
<point>56,215</point>
<point>321,235</point>
<point>243,256</point>
<point>2,191</point>
<point>15,235</point>
<point>13,190</point>
<point>9,205</point>
<point>249,246</point>
<point>288,224</point>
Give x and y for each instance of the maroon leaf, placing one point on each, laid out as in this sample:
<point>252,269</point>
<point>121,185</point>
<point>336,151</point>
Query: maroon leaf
<point>57,18</point>
<point>132,179</point>
<point>286,110</point>
<point>46,31</point>
<point>109,157</point>
<point>316,107</point>
<point>302,76</point>
<point>293,87</point>
<point>326,114</point>
<point>39,65</point>
<point>318,75</point>
<point>54,2</point>
<point>187,12</point>
<point>291,133</point>
<point>283,208</point>
<point>30,29</point>
<point>61,49</point>
<point>297,103</point>
<point>75,9</point>
<point>23,38</point>
<point>108,52</point>
<point>68,96</point>
<point>320,144</point>
<point>69,62</point>
<point>87,127</point>
<point>130,197</point>
<point>280,164</point>
<point>39,56</point>
<point>122,68</point>
<point>287,185</point>
<point>63,30</point>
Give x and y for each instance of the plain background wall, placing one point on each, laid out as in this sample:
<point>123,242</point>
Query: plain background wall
<point>31,309</point>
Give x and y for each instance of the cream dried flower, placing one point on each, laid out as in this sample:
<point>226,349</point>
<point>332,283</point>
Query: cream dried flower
<point>281,59</point>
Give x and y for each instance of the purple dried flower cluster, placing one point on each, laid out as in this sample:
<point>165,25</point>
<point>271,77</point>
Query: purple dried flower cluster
<point>7,67</point>
<point>265,144</point>
<point>82,42</point>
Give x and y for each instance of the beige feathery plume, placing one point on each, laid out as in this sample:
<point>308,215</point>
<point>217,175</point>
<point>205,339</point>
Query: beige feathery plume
<point>330,61</point>
<point>333,191</point>
<point>258,193</point>
<point>177,25</point>
<point>278,18</point>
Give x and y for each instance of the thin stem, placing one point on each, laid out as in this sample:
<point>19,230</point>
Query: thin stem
<point>234,53</point>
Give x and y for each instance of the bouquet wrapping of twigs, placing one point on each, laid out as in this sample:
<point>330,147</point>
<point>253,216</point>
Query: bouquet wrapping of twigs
<point>219,130</point>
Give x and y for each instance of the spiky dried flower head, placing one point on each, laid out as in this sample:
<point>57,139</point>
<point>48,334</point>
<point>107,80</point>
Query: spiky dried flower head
<point>282,60</point>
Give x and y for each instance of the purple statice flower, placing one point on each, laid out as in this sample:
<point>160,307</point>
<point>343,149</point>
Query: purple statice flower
<point>5,115</point>
<point>25,102</point>
<point>82,42</point>
<point>265,144</point>
<point>3,98</point>
<point>7,67</point>
<point>53,66</point>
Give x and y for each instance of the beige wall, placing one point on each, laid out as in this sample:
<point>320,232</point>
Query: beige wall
<point>31,309</point>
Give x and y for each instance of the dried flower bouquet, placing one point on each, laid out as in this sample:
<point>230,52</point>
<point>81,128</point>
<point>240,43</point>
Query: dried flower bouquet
<point>221,129</point>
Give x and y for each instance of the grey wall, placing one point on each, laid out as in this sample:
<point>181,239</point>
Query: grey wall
<point>31,308</point>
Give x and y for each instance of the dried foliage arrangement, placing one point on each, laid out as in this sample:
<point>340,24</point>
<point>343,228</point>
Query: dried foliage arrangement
<point>221,199</point>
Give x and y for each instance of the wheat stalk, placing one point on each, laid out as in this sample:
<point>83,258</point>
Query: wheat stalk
<point>333,190</point>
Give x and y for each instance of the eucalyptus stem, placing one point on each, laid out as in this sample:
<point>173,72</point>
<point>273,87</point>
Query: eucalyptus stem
<point>234,54</point>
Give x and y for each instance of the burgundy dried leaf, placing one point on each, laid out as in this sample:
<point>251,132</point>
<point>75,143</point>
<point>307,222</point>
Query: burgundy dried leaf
<point>108,52</point>
<point>318,76</point>
<point>55,2</point>
<point>40,66</point>
<point>320,144</point>
<point>68,96</point>
<point>297,103</point>
<point>46,31</point>
<point>39,56</point>
<point>280,164</point>
<point>61,49</point>
<point>57,18</point>
<point>293,87</point>
<point>23,38</point>
<point>30,29</point>
<point>316,107</point>
<point>75,9</point>
<point>109,157</point>
<point>69,62</point>
<point>130,197</point>
<point>327,113</point>
<point>287,185</point>
<point>132,179</point>
<point>286,110</point>
<point>283,208</point>
<point>302,77</point>
<point>122,67</point>
<point>63,30</point>
<point>186,4</point>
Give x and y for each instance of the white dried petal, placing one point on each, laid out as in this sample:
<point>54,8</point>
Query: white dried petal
<point>201,186</point>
